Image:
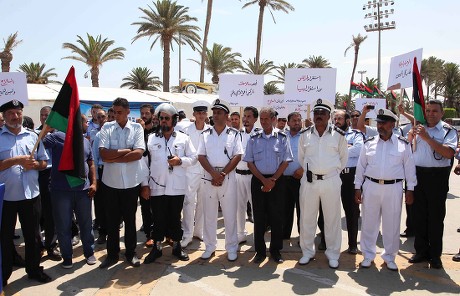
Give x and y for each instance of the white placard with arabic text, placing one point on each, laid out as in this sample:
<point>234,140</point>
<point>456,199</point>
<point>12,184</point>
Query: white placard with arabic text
<point>377,103</point>
<point>306,85</point>
<point>241,90</point>
<point>401,69</point>
<point>278,103</point>
<point>13,86</point>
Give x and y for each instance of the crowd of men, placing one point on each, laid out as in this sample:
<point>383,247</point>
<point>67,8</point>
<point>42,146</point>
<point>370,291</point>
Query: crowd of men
<point>183,172</point>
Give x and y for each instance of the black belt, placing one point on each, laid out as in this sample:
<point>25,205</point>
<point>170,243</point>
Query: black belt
<point>384,182</point>
<point>243,172</point>
<point>348,170</point>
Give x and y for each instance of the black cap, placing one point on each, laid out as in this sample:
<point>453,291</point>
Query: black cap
<point>13,104</point>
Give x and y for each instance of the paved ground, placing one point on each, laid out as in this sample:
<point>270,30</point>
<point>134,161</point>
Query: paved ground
<point>220,277</point>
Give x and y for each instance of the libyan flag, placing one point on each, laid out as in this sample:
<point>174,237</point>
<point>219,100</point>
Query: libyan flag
<point>65,116</point>
<point>417,94</point>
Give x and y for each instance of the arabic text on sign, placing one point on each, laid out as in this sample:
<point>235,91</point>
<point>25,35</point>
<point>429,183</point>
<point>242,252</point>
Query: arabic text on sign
<point>309,88</point>
<point>6,92</point>
<point>247,83</point>
<point>309,78</point>
<point>242,92</point>
<point>4,82</point>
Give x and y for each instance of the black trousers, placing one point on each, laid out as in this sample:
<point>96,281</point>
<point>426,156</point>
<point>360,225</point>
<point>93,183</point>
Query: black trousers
<point>167,211</point>
<point>147,216</point>
<point>46,220</point>
<point>429,210</point>
<point>121,203</point>
<point>99,204</point>
<point>350,207</point>
<point>29,215</point>
<point>292,186</point>
<point>268,205</point>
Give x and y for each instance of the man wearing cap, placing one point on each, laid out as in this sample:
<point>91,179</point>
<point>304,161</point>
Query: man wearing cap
<point>371,131</point>
<point>436,142</point>
<point>19,173</point>
<point>121,147</point>
<point>243,174</point>
<point>182,121</point>
<point>347,191</point>
<point>171,152</point>
<point>192,220</point>
<point>384,162</point>
<point>219,151</point>
<point>268,154</point>
<point>323,154</point>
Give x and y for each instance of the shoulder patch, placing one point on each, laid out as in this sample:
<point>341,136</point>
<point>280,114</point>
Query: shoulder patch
<point>256,134</point>
<point>209,130</point>
<point>369,139</point>
<point>339,130</point>
<point>447,126</point>
<point>305,129</point>
<point>282,134</point>
<point>231,129</point>
<point>401,138</point>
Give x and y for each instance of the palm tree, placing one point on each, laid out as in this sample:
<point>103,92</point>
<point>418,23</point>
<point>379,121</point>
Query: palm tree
<point>344,102</point>
<point>168,22</point>
<point>272,5</point>
<point>432,73</point>
<point>281,72</point>
<point>270,88</point>
<point>451,84</point>
<point>141,78</point>
<point>263,69</point>
<point>94,53</point>
<point>220,60</point>
<point>356,43</point>
<point>6,56</point>
<point>205,39</point>
<point>316,62</point>
<point>36,74</point>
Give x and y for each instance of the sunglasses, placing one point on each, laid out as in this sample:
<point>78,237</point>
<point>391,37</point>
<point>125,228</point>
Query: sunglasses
<point>164,118</point>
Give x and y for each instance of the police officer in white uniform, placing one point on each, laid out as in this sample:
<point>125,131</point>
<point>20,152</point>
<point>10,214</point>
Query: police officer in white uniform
<point>192,220</point>
<point>384,162</point>
<point>171,153</point>
<point>243,174</point>
<point>219,152</point>
<point>323,154</point>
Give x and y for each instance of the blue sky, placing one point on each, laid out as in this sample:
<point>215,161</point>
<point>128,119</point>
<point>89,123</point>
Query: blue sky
<point>314,28</point>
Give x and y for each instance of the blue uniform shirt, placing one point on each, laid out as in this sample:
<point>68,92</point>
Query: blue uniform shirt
<point>267,152</point>
<point>294,165</point>
<point>355,141</point>
<point>20,184</point>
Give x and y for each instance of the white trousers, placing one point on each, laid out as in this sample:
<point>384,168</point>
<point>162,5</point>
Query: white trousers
<point>192,212</point>
<point>328,192</point>
<point>243,183</point>
<point>381,203</point>
<point>226,195</point>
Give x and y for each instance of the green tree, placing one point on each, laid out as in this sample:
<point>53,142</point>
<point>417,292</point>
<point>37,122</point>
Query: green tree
<point>264,68</point>
<point>281,72</point>
<point>205,39</point>
<point>272,5</point>
<point>168,22</point>
<point>94,53</point>
<point>270,88</point>
<point>432,73</point>
<point>220,60</point>
<point>356,43</point>
<point>451,85</point>
<point>141,78</point>
<point>36,74</point>
<point>5,55</point>
<point>315,62</point>
<point>344,102</point>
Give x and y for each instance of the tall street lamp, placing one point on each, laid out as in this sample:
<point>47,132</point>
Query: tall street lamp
<point>379,17</point>
<point>362,73</point>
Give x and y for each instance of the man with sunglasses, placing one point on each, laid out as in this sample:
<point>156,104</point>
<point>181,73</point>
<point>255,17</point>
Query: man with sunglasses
<point>323,154</point>
<point>435,146</point>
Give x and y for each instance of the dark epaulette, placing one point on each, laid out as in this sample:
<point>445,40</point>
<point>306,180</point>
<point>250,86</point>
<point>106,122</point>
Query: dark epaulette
<point>209,130</point>
<point>159,134</point>
<point>180,131</point>
<point>401,138</point>
<point>280,133</point>
<point>231,129</point>
<point>339,130</point>
<point>447,126</point>
<point>256,134</point>
<point>369,139</point>
<point>304,130</point>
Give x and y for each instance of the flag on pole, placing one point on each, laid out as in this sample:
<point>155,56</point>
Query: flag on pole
<point>65,116</point>
<point>417,94</point>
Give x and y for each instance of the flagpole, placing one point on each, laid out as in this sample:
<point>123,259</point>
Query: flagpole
<point>40,137</point>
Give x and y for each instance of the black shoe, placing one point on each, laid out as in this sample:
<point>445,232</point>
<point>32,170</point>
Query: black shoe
<point>277,257</point>
<point>179,252</point>
<point>108,262</point>
<point>458,229</point>
<point>40,276</point>
<point>417,258</point>
<point>436,263</point>
<point>75,240</point>
<point>407,233</point>
<point>352,250</point>
<point>134,262</point>
<point>259,258</point>
<point>18,261</point>
<point>456,257</point>
<point>54,254</point>
<point>102,239</point>
<point>154,254</point>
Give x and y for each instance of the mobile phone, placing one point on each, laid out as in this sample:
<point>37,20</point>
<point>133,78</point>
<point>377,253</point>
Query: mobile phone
<point>370,107</point>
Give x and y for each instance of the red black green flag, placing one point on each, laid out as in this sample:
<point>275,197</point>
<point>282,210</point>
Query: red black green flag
<point>417,93</point>
<point>65,116</point>
<point>377,92</point>
<point>355,88</point>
